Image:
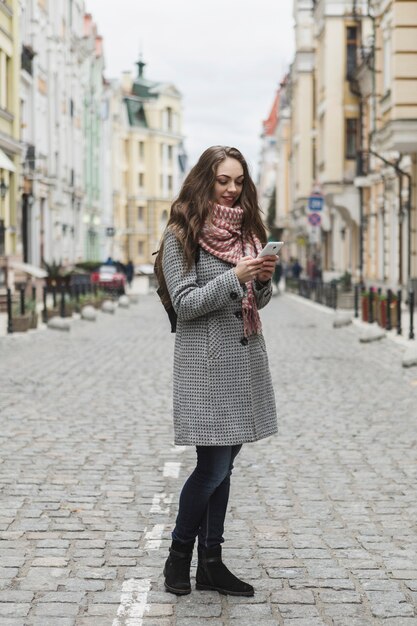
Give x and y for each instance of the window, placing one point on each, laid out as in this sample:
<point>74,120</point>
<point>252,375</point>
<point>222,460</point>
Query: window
<point>170,153</point>
<point>27,58</point>
<point>351,46</point>
<point>170,183</point>
<point>141,149</point>
<point>141,179</point>
<point>351,138</point>
<point>141,213</point>
<point>4,80</point>
<point>141,248</point>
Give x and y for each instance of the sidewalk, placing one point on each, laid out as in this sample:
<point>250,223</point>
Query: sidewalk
<point>322,516</point>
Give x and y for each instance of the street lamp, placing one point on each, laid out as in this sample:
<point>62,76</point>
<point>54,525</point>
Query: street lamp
<point>3,189</point>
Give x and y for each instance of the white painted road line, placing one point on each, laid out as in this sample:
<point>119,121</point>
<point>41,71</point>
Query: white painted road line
<point>161,500</point>
<point>133,603</point>
<point>154,537</point>
<point>171,469</point>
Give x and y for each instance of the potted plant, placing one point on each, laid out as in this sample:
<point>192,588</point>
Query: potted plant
<point>57,277</point>
<point>20,323</point>
<point>31,309</point>
<point>346,281</point>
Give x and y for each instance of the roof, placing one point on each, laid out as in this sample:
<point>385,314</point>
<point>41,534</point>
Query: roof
<point>136,112</point>
<point>270,124</point>
<point>144,90</point>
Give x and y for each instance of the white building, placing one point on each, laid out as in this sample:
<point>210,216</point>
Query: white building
<point>59,86</point>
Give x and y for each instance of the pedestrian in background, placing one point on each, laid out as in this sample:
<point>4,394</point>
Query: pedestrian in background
<point>130,270</point>
<point>296,269</point>
<point>277,274</point>
<point>223,395</point>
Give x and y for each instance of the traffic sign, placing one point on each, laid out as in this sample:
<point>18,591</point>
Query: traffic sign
<point>314,219</point>
<point>315,202</point>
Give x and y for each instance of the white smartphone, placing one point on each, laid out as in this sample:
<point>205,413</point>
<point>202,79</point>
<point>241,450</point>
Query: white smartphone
<point>272,247</point>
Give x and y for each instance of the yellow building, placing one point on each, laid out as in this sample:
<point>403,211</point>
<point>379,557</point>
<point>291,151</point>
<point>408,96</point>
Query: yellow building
<point>337,113</point>
<point>9,130</point>
<point>149,164</point>
<point>387,78</point>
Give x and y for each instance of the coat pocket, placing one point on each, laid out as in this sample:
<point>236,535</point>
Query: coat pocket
<point>262,342</point>
<point>214,338</point>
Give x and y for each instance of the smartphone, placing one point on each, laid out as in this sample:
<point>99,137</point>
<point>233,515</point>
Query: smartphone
<point>272,247</point>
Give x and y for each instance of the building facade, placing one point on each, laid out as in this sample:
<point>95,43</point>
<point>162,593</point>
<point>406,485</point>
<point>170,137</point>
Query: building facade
<point>386,75</point>
<point>52,130</point>
<point>268,164</point>
<point>347,129</point>
<point>94,149</point>
<point>63,113</point>
<point>10,148</point>
<point>149,163</point>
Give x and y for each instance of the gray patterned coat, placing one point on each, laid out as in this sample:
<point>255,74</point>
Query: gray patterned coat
<point>223,393</point>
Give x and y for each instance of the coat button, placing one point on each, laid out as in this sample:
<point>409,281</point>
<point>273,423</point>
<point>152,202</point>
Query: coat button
<point>238,314</point>
<point>244,341</point>
<point>233,295</point>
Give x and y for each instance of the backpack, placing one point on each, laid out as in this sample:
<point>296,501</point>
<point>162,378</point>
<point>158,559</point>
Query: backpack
<point>162,289</point>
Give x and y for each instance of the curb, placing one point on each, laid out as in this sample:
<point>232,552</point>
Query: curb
<point>389,334</point>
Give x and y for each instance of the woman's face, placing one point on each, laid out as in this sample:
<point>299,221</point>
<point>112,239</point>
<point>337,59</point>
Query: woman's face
<point>229,182</point>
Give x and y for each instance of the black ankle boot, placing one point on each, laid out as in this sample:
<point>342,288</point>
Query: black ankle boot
<point>212,573</point>
<point>177,568</point>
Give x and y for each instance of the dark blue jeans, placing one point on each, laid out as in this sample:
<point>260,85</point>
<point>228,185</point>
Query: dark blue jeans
<point>204,497</point>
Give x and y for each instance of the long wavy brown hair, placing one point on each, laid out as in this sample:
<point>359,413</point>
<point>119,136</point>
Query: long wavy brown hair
<point>192,207</point>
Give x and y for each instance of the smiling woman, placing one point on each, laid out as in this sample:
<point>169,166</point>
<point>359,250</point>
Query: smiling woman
<point>223,395</point>
<point>229,182</point>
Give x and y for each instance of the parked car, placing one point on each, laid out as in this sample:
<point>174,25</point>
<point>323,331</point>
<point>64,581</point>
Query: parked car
<point>109,279</point>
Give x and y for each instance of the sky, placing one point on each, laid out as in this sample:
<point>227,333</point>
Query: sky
<point>226,57</point>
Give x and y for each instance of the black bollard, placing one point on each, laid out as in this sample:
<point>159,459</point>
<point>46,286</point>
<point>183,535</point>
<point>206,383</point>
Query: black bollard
<point>62,311</point>
<point>9,312</point>
<point>54,296</point>
<point>411,309</point>
<point>22,300</point>
<point>44,310</point>
<point>371,306</point>
<point>34,294</point>
<point>356,301</point>
<point>399,329</point>
<point>388,325</point>
<point>334,289</point>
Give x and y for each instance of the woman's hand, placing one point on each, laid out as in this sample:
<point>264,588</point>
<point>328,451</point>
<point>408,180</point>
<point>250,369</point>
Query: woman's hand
<point>268,267</point>
<point>248,268</point>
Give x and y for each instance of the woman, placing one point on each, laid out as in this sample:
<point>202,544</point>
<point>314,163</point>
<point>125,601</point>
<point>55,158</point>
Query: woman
<point>223,395</point>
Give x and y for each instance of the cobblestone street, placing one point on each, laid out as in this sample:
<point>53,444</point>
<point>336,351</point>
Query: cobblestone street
<point>323,517</point>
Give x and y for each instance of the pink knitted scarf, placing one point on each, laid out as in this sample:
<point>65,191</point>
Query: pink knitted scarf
<point>222,237</point>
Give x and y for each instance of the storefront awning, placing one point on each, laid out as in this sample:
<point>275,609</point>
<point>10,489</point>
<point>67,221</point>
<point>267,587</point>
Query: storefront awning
<point>33,270</point>
<point>5,162</point>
